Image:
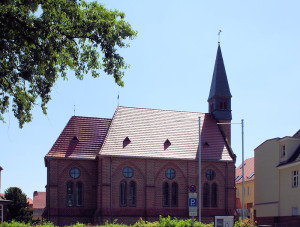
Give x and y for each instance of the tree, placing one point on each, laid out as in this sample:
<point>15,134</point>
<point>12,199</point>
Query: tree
<point>41,39</point>
<point>18,209</point>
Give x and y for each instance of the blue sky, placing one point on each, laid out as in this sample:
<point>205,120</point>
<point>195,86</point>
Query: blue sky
<point>172,62</point>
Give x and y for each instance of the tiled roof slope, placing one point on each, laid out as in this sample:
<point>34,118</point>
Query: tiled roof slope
<point>248,171</point>
<point>294,158</point>
<point>81,138</point>
<point>149,129</point>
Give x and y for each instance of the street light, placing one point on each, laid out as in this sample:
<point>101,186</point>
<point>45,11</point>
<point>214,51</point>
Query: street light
<point>242,125</point>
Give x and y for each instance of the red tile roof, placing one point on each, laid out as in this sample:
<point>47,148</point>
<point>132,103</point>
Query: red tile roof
<point>248,171</point>
<point>148,129</point>
<point>39,200</point>
<point>81,138</point>
<point>30,201</point>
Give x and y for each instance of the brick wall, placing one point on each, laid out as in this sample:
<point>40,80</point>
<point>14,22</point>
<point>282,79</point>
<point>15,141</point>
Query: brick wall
<point>149,175</point>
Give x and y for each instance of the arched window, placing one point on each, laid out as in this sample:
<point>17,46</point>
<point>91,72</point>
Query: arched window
<point>214,195</point>
<point>165,194</point>
<point>132,194</point>
<point>206,195</point>
<point>174,201</point>
<point>225,105</point>
<point>123,193</point>
<point>70,195</point>
<point>221,105</point>
<point>79,194</point>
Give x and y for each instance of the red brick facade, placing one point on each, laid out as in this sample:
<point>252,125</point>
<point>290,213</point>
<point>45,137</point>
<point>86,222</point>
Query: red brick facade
<point>149,175</point>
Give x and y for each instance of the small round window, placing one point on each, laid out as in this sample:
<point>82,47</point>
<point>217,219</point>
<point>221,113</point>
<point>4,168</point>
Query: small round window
<point>170,174</point>
<point>127,172</point>
<point>210,174</point>
<point>75,173</point>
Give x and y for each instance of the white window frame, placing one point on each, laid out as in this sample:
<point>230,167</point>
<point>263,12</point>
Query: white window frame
<point>1,213</point>
<point>295,179</point>
<point>249,191</point>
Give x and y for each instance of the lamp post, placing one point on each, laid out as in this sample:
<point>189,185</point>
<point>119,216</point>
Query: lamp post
<point>242,126</point>
<point>199,156</point>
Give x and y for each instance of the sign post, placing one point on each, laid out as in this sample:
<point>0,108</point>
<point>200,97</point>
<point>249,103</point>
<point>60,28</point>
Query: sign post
<point>193,202</point>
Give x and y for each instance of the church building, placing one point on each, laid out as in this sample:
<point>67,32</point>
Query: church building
<point>140,163</point>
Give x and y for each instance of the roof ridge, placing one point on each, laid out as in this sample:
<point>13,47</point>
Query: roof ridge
<point>184,111</point>
<point>108,130</point>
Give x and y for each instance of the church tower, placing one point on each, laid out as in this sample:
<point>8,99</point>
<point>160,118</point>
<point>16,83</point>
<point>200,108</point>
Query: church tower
<point>219,99</point>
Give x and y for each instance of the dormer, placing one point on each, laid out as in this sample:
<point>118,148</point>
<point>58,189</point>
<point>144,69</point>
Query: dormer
<point>167,143</point>
<point>126,141</point>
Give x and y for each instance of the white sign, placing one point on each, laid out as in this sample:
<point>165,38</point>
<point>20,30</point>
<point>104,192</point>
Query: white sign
<point>224,221</point>
<point>193,204</point>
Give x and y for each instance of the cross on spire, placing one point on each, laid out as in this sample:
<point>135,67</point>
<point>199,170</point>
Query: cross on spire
<point>219,34</point>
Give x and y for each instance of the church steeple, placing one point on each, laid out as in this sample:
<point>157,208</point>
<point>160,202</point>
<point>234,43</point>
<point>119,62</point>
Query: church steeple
<point>219,99</point>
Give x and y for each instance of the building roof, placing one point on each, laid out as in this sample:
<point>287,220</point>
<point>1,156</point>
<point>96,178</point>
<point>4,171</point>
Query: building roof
<point>39,200</point>
<point>248,171</point>
<point>153,133</point>
<point>30,201</point>
<point>81,138</point>
<point>294,158</point>
<point>219,84</point>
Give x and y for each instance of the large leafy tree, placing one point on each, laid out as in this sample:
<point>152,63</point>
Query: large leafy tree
<point>41,39</point>
<point>18,208</point>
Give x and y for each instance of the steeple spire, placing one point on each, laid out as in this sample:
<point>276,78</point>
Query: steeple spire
<point>219,98</point>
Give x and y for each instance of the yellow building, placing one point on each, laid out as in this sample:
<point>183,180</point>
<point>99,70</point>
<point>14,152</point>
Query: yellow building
<point>249,177</point>
<point>277,191</point>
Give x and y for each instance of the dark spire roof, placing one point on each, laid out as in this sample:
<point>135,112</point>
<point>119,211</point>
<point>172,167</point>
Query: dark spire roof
<point>219,84</point>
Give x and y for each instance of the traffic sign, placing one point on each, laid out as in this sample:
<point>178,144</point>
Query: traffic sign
<point>193,188</point>
<point>193,204</point>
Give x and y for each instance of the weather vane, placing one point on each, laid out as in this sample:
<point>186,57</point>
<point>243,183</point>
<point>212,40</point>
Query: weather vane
<point>219,34</point>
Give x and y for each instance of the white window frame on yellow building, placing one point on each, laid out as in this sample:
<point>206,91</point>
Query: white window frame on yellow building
<point>295,179</point>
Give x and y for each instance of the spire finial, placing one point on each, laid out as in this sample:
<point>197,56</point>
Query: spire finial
<point>219,34</point>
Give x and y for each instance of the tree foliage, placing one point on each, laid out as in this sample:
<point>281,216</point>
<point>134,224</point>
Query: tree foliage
<point>18,208</point>
<point>41,39</point>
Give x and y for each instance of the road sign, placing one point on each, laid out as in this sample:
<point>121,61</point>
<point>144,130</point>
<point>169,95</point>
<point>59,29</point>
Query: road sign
<point>193,188</point>
<point>193,204</point>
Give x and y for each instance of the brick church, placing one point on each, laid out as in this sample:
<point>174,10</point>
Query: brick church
<point>141,162</point>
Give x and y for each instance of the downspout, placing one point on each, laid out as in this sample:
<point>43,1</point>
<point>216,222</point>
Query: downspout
<point>111,214</point>
<point>226,189</point>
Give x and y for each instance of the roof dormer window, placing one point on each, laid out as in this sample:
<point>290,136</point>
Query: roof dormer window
<point>167,144</point>
<point>126,141</point>
<point>283,151</point>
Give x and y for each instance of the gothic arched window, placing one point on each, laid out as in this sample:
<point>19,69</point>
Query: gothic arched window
<point>206,195</point>
<point>214,195</point>
<point>166,194</point>
<point>174,201</point>
<point>123,193</point>
<point>132,193</point>
<point>70,195</point>
<point>79,194</point>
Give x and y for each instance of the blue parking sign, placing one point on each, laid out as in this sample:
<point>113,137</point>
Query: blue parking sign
<point>193,202</point>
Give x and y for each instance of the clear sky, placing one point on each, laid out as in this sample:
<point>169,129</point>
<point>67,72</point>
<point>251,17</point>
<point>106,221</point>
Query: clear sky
<point>172,62</point>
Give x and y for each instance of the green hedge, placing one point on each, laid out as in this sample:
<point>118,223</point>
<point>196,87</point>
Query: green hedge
<point>163,222</point>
